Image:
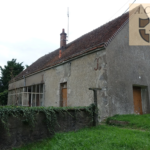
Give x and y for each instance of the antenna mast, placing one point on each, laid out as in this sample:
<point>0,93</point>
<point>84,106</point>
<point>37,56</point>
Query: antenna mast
<point>68,23</point>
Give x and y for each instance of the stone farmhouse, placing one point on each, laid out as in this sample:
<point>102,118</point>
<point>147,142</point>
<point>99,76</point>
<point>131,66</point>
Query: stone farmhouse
<point>101,59</point>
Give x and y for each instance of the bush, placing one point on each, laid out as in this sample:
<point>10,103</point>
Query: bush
<point>28,114</point>
<point>3,97</point>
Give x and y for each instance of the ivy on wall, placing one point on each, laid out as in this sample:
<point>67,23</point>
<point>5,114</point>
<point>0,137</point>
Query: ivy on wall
<point>28,114</point>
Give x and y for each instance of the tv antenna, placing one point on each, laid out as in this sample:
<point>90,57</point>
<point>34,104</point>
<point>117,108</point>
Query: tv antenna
<point>68,23</point>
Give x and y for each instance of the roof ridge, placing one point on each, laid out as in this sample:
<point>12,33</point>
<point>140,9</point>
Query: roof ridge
<point>96,29</point>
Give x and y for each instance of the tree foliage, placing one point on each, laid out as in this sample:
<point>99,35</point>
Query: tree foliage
<point>9,71</point>
<point>3,97</point>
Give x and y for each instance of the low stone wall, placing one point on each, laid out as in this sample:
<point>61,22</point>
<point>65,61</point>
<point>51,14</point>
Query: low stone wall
<point>119,123</point>
<point>22,133</point>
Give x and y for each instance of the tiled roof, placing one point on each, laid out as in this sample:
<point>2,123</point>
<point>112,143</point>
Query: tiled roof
<point>89,41</point>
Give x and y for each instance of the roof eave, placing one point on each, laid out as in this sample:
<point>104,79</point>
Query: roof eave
<point>87,52</point>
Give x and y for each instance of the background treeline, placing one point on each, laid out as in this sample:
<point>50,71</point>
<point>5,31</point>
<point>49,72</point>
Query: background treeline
<point>8,72</point>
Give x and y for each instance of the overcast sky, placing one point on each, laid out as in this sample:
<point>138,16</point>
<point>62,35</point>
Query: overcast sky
<point>30,29</point>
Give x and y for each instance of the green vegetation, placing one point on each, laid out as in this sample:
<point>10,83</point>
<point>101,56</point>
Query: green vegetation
<point>3,97</point>
<point>7,73</point>
<point>28,114</point>
<point>102,137</point>
<point>135,121</point>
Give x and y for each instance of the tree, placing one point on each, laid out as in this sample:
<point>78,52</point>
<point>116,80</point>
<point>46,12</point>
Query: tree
<point>7,73</point>
<point>3,97</point>
<point>1,86</point>
<point>26,66</point>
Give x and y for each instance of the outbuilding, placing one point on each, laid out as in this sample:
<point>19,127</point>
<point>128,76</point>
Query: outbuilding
<point>101,59</point>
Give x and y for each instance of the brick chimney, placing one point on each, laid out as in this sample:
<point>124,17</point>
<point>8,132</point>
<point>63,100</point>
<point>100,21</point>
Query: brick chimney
<point>63,39</point>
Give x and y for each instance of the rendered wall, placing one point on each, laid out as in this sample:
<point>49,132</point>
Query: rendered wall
<point>80,74</point>
<point>35,79</point>
<point>128,66</point>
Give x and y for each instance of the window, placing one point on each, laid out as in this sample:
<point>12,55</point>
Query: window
<point>28,96</point>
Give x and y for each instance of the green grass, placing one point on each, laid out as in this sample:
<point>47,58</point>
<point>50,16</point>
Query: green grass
<point>102,137</point>
<point>135,121</point>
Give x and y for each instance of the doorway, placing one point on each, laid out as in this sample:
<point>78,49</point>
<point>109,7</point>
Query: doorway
<point>63,96</point>
<point>137,99</point>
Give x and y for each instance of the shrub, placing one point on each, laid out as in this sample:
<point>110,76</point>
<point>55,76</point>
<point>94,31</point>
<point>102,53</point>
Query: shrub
<point>3,97</point>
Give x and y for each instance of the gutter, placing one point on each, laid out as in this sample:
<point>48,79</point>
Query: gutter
<point>98,49</point>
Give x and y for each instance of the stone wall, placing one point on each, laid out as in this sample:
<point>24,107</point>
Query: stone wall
<point>22,133</point>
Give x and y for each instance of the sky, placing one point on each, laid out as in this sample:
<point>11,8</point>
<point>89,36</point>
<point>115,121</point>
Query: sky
<point>30,29</point>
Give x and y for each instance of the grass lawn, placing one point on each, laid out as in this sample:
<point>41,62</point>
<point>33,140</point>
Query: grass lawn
<point>135,121</point>
<point>102,137</point>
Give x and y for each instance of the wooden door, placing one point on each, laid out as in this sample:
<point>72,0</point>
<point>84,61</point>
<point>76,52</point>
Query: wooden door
<point>137,100</point>
<point>64,97</point>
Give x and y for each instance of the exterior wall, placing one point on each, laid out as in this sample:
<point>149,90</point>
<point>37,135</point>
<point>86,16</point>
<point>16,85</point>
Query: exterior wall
<point>80,74</point>
<point>127,66</point>
<point>35,79</point>
<point>17,84</point>
<point>23,133</point>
